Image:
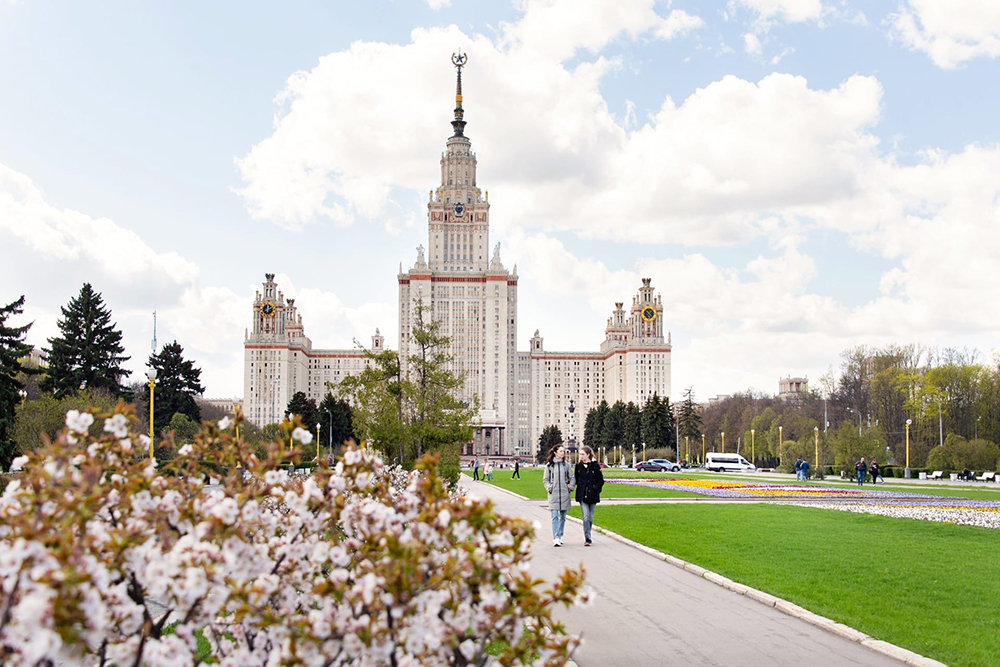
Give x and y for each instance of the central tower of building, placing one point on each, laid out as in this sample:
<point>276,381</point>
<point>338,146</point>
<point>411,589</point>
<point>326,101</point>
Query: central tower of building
<point>468,289</point>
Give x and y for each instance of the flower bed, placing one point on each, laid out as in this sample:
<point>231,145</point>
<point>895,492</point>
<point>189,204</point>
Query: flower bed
<point>718,489</point>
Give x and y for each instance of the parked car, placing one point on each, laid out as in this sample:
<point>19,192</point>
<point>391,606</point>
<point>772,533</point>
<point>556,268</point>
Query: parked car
<point>657,465</point>
<point>718,462</point>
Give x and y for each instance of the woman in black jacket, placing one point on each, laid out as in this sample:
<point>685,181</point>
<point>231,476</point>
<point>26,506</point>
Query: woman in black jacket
<point>589,482</point>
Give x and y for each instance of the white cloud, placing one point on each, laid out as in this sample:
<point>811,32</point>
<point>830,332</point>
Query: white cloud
<point>751,44</point>
<point>50,252</point>
<point>951,32</point>
<point>789,11</point>
<point>438,5</point>
<point>364,120</point>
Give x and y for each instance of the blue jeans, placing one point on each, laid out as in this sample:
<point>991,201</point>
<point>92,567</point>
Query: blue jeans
<point>558,523</point>
<point>861,477</point>
<point>588,519</point>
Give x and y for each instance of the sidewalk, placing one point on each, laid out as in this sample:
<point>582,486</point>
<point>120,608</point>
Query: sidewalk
<point>648,612</point>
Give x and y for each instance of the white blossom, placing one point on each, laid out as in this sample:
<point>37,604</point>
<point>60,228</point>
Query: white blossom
<point>79,422</point>
<point>302,435</point>
<point>117,425</point>
<point>225,423</point>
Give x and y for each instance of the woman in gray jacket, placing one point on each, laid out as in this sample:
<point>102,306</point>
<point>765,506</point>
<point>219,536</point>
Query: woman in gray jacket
<point>559,481</point>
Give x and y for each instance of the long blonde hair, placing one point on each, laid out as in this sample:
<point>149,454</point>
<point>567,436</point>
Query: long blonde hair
<point>590,452</point>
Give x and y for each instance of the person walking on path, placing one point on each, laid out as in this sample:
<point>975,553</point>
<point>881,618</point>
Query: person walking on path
<point>798,469</point>
<point>804,470</point>
<point>589,482</point>
<point>517,469</point>
<point>876,472</point>
<point>559,481</point>
<point>475,469</point>
<point>862,469</point>
<point>488,470</point>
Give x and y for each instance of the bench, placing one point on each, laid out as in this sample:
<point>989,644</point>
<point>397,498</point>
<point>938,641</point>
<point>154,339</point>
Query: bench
<point>987,477</point>
<point>937,474</point>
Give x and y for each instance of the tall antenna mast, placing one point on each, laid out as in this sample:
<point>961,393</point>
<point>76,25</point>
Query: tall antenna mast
<point>154,332</point>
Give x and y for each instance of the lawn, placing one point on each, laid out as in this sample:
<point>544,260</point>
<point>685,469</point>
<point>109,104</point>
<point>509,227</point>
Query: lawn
<point>929,587</point>
<point>530,486</point>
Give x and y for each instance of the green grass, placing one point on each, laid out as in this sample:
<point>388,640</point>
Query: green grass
<point>530,486</point>
<point>929,587</point>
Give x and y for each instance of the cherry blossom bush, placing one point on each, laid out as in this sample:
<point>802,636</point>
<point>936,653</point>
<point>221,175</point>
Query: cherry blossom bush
<point>105,559</point>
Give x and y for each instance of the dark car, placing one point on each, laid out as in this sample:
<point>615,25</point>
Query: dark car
<point>658,466</point>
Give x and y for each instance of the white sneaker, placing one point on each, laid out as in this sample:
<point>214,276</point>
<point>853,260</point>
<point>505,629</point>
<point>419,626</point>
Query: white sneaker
<point>557,542</point>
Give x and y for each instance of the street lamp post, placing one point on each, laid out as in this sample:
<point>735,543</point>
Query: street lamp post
<point>816,433</point>
<point>319,425</point>
<point>780,440</point>
<point>907,471</point>
<point>687,445</point>
<point>151,374</point>
<point>977,427</point>
<point>753,447</point>
<point>723,442</point>
<point>703,449</point>
<point>235,405</point>
<point>858,412</point>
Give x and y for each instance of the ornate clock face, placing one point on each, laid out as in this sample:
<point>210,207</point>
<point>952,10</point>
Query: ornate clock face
<point>459,209</point>
<point>267,309</point>
<point>648,314</point>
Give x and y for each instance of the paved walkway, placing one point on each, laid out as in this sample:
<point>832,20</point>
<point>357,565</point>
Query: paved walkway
<point>648,612</point>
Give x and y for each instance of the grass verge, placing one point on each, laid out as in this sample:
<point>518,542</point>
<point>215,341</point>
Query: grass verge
<point>929,587</point>
<point>530,486</point>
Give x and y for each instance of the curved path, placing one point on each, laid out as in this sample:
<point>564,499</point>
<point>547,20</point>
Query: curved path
<point>648,612</point>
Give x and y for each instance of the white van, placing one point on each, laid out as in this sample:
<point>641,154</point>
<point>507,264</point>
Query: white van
<point>732,462</point>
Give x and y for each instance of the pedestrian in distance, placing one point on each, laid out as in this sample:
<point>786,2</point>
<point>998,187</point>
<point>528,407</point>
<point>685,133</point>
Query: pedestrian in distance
<point>488,469</point>
<point>876,472</point>
<point>517,469</point>
<point>798,469</point>
<point>862,469</point>
<point>475,469</point>
<point>804,470</point>
<point>559,481</point>
<point>589,482</point>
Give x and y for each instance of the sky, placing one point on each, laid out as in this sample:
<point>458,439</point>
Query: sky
<point>797,177</point>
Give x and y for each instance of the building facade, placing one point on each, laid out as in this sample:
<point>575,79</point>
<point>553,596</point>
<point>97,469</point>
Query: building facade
<point>279,359</point>
<point>461,282</point>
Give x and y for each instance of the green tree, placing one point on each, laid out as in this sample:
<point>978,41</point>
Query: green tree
<point>12,350</point>
<point>633,427</point>
<point>689,416</point>
<point>184,428</point>
<point>178,381</point>
<point>658,423</point>
<point>412,407</point>
<point>614,426</point>
<point>549,438</point>
<point>41,419</point>
<point>88,352</point>
<point>600,414</point>
<point>588,428</point>
<point>305,409</point>
<point>336,416</point>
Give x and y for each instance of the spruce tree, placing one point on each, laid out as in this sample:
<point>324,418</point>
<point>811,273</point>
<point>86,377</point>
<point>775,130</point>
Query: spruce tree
<point>549,438</point>
<point>12,350</point>
<point>633,427</point>
<point>88,352</point>
<point>178,381</point>
<point>305,409</point>
<point>689,417</point>
<point>337,419</point>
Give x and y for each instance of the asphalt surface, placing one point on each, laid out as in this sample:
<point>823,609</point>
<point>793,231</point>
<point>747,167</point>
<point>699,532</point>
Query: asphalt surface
<point>649,612</point>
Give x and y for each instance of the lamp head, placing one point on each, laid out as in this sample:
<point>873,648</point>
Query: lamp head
<point>909,421</point>
<point>151,373</point>
<point>816,428</point>
<point>752,431</point>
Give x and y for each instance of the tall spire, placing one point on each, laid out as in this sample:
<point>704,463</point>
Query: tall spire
<point>458,60</point>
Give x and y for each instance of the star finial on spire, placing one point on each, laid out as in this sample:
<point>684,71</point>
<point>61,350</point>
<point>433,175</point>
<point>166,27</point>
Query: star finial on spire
<point>459,60</point>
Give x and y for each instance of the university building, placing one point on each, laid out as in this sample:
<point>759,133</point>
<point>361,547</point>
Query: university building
<point>472,294</point>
